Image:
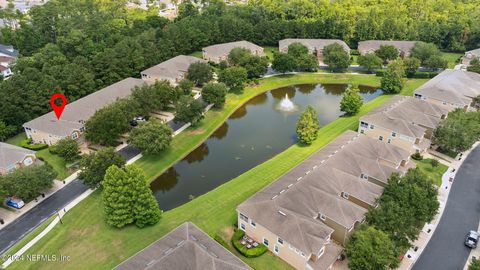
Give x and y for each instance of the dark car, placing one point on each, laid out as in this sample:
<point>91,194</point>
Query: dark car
<point>471,240</point>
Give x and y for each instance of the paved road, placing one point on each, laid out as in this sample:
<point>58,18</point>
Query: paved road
<point>20,227</point>
<point>15,231</point>
<point>446,250</point>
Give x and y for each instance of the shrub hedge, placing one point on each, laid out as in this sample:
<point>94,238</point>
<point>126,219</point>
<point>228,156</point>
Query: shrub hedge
<point>416,75</point>
<point>249,253</point>
<point>220,240</point>
<point>417,156</point>
<point>35,147</point>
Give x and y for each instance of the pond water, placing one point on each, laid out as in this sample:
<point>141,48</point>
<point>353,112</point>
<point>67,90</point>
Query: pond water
<point>256,132</point>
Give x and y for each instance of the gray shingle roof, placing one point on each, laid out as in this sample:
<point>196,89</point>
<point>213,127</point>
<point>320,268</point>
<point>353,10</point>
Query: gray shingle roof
<point>453,86</point>
<point>474,52</point>
<point>311,44</point>
<point>290,206</point>
<point>11,154</point>
<point>172,68</point>
<point>185,248</point>
<point>8,50</point>
<point>223,49</point>
<point>373,45</point>
<point>404,115</point>
<point>76,113</point>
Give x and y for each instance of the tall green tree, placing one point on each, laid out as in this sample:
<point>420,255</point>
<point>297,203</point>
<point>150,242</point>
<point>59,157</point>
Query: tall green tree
<point>351,101</point>
<point>106,125</point>
<point>308,126</point>
<point>214,93</point>
<point>189,110</point>
<point>392,81</point>
<point>118,197</point>
<point>387,53</point>
<point>297,49</point>
<point>28,182</point>
<point>151,137</point>
<point>283,62</point>
<point>335,56</point>
<point>145,207</point>
<point>234,77</point>
<point>370,62</point>
<point>436,62</point>
<point>423,51</point>
<point>68,149</point>
<point>411,66</point>
<point>6,131</point>
<point>94,165</point>
<point>199,73</point>
<point>458,132</point>
<point>185,86</point>
<point>371,249</point>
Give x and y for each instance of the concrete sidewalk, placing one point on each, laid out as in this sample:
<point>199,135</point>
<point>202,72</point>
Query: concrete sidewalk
<point>427,231</point>
<point>9,216</point>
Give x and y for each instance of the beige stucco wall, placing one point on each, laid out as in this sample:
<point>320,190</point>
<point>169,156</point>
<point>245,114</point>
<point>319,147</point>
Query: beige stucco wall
<point>340,233</point>
<point>153,78</point>
<point>285,252</point>
<point>399,140</point>
<point>38,136</point>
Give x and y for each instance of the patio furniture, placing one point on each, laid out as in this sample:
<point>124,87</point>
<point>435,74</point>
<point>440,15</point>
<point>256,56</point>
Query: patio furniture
<point>243,242</point>
<point>255,244</point>
<point>249,246</point>
<point>250,240</point>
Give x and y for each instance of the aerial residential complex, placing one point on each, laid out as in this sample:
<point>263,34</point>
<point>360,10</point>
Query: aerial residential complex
<point>314,46</point>
<point>219,52</point>
<point>13,157</point>
<point>370,46</point>
<point>186,247</point>
<point>305,215</point>
<point>48,129</point>
<point>406,122</point>
<point>451,89</point>
<point>173,70</point>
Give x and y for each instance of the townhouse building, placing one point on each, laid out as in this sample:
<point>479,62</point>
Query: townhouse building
<point>314,46</point>
<point>173,70</point>
<point>370,46</point>
<point>219,52</point>
<point>13,157</point>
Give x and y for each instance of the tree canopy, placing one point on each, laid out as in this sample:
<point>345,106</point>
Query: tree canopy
<point>308,126</point>
<point>94,165</point>
<point>458,132</point>
<point>370,61</point>
<point>200,73</point>
<point>234,77</point>
<point>392,81</point>
<point>214,93</point>
<point>387,53</point>
<point>335,56</point>
<point>151,137</point>
<point>474,66</point>
<point>351,101</point>
<point>28,182</point>
<point>189,110</point>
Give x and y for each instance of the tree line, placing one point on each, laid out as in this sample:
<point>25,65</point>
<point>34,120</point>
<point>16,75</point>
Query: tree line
<point>77,47</point>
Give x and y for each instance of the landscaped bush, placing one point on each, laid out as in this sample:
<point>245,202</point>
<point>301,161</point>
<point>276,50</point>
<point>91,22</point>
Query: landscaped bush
<point>354,52</point>
<point>35,147</point>
<point>417,156</point>
<point>380,73</point>
<point>434,162</point>
<point>53,150</point>
<point>249,253</point>
<point>220,240</point>
<point>424,75</point>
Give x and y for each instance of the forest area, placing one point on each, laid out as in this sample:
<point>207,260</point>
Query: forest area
<point>79,46</point>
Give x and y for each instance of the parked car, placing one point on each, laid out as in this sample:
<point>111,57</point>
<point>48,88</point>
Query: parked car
<point>15,202</point>
<point>471,240</point>
<point>135,121</point>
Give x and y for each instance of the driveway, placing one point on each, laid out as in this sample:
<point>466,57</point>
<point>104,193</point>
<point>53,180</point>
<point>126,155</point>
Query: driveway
<point>15,231</point>
<point>445,250</point>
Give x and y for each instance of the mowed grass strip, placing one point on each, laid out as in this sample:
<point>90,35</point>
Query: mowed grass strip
<point>91,244</point>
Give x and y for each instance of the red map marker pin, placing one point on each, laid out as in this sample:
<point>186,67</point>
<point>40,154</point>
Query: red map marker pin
<point>58,109</point>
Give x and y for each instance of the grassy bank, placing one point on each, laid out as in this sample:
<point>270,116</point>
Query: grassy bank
<point>434,173</point>
<point>91,244</point>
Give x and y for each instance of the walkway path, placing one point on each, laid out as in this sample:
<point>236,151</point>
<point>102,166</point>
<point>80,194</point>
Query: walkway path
<point>446,250</point>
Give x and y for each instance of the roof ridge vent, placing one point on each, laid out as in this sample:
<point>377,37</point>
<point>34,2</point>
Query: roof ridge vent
<point>282,213</point>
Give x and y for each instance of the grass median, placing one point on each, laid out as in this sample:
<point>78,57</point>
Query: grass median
<point>91,244</point>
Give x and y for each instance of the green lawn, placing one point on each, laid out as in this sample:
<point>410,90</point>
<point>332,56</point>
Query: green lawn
<point>197,54</point>
<point>92,244</point>
<point>27,238</point>
<point>452,58</point>
<point>269,51</point>
<point>17,140</point>
<point>434,173</point>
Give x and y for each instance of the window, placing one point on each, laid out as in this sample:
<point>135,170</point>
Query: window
<point>322,217</point>
<point>394,134</point>
<point>380,138</point>
<point>243,217</point>
<point>345,195</point>
<point>242,226</point>
<point>363,124</point>
<point>276,249</point>
<point>253,223</point>
<point>265,241</point>
<point>362,131</point>
<point>280,240</point>
<point>372,126</point>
